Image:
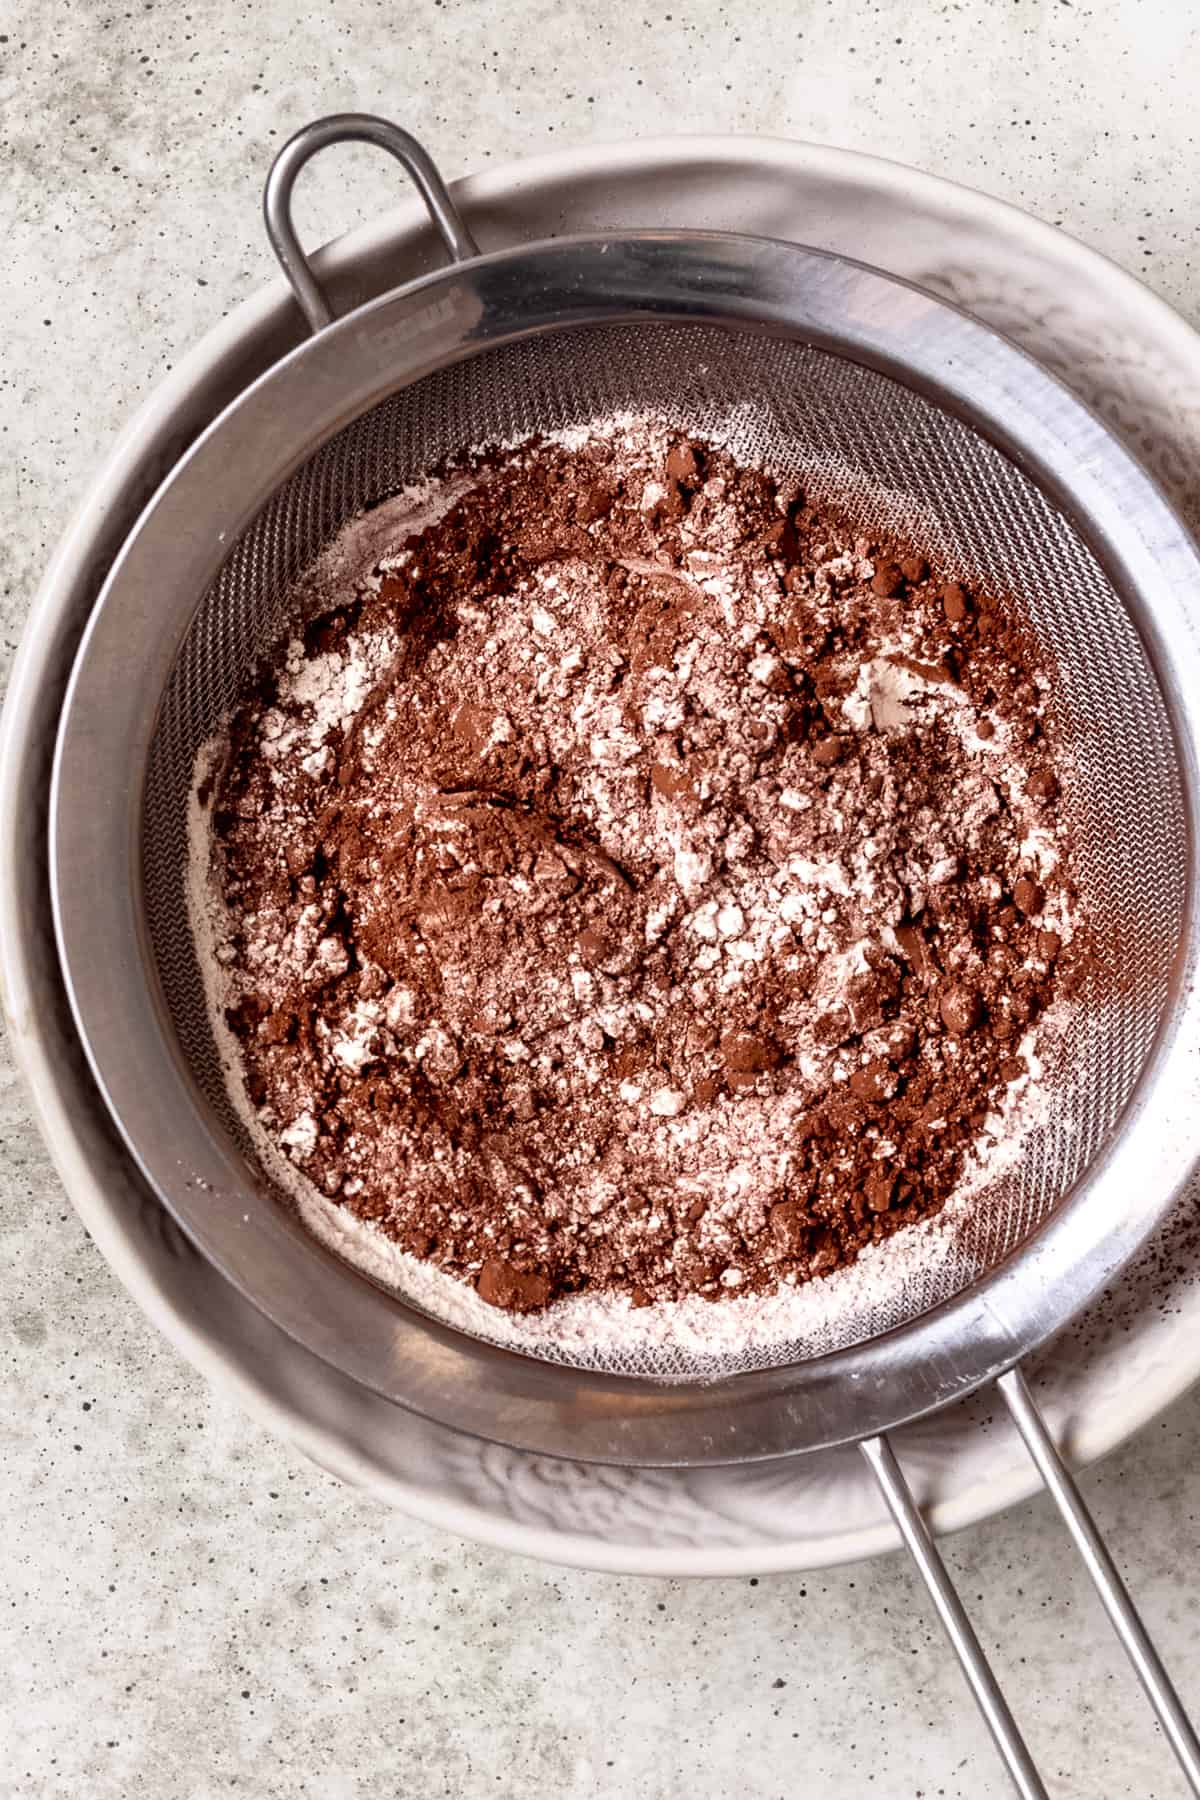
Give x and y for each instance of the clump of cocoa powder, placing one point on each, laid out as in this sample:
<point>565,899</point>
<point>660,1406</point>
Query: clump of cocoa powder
<point>641,880</point>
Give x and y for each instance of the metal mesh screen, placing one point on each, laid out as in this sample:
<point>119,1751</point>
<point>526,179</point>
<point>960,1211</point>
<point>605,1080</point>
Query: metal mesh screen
<point>900,463</point>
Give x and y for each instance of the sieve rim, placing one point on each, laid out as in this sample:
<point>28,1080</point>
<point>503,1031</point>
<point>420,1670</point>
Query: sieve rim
<point>95,851</point>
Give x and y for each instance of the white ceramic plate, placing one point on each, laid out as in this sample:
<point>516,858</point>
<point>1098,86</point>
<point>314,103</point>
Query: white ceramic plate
<point>1133,360</point>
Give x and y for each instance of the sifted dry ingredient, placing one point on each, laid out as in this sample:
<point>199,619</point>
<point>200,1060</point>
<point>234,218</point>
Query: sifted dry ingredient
<point>635,881</point>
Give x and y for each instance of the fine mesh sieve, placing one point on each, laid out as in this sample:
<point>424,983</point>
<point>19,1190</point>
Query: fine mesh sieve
<point>846,431</point>
<point>868,390</point>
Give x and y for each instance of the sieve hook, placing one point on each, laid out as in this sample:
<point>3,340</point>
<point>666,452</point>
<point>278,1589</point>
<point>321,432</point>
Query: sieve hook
<point>347,128</point>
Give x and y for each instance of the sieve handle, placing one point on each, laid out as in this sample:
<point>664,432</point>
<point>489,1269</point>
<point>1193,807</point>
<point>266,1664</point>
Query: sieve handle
<point>919,1543</point>
<point>1101,1570</point>
<point>351,128</point>
<point>1102,1573</point>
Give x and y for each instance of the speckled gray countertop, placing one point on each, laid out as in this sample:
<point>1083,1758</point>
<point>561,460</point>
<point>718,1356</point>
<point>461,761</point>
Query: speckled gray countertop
<point>186,1609</point>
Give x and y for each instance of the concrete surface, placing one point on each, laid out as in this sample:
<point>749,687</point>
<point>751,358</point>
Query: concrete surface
<point>186,1610</point>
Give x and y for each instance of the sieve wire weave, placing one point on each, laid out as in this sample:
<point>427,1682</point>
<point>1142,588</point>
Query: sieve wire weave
<point>899,464</point>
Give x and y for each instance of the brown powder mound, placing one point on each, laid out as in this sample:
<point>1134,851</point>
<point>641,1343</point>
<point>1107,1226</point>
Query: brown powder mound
<point>641,881</point>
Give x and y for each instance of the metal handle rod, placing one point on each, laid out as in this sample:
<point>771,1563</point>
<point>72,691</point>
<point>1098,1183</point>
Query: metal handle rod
<point>1108,1584</point>
<point>345,128</point>
<point>967,1648</point>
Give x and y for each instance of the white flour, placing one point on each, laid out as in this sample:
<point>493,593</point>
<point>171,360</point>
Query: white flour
<point>731,934</point>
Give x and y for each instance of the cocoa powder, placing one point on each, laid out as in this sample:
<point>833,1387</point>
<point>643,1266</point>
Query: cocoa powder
<point>641,880</point>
